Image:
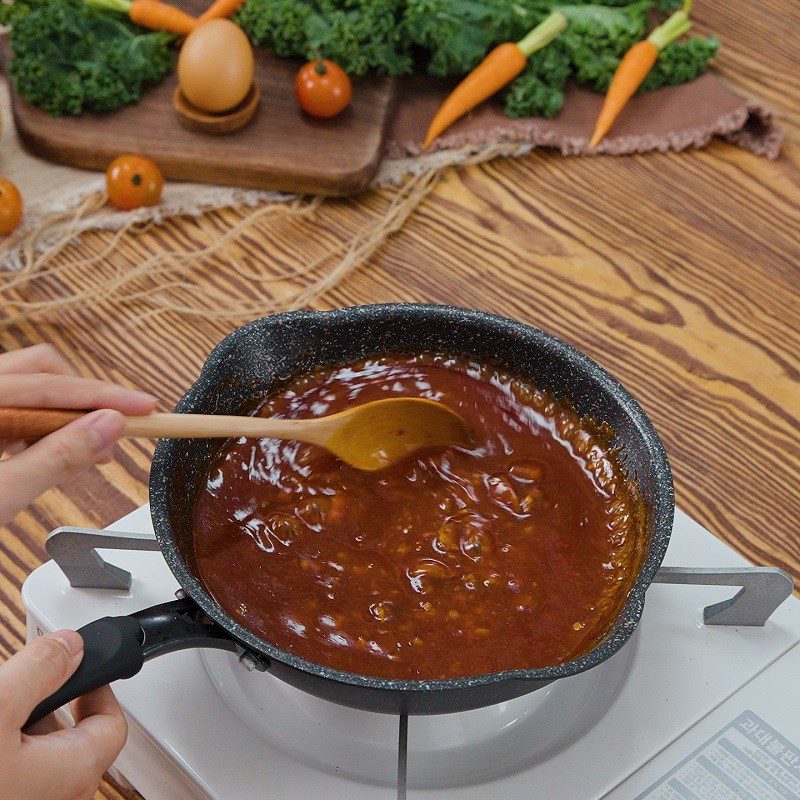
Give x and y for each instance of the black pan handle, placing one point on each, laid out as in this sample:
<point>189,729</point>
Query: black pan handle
<point>117,647</point>
<point>112,649</point>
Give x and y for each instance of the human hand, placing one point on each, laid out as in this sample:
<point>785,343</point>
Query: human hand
<point>38,377</point>
<point>63,764</point>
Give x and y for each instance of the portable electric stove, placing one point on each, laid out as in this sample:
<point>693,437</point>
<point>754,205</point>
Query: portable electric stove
<point>703,703</point>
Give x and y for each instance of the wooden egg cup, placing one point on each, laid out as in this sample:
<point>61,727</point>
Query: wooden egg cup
<point>194,119</point>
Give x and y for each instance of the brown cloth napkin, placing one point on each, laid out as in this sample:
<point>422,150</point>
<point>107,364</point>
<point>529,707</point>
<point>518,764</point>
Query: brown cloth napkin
<point>672,118</point>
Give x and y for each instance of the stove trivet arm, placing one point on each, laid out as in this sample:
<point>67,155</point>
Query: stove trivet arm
<point>75,552</point>
<point>763,590</point>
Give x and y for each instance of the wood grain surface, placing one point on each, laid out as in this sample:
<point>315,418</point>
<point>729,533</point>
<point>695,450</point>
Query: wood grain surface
<point>678,273</point>
<point>279,148</point>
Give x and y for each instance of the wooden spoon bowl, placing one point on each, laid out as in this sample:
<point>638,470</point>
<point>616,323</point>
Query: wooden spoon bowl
<point>195,119</point>
<point>369,436</point>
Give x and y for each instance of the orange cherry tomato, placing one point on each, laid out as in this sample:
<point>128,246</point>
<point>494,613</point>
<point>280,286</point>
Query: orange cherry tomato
<point>10,207</point>
<point>323,89</point>
<point>133,182</point>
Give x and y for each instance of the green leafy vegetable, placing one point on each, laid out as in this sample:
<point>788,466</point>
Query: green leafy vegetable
<point>69,58</point>
<point>598,37</point>
<point>539,90</point>
<point>361,36</point>
<point>458,33</point>
<point>681,62</point>
<point>279,25</point>
<point>589,49</point>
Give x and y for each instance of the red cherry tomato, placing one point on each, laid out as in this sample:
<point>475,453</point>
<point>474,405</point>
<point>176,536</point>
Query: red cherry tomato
<point>10,207</point>
<point>133,182</point>
<point>323,89</point>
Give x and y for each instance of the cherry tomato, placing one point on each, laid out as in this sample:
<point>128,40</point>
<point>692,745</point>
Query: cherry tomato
<point>133,182</point>
<point>323,89</point>
<point>10,207</point>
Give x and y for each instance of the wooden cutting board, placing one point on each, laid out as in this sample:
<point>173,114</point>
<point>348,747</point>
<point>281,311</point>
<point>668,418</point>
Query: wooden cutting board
<point>281,148</point>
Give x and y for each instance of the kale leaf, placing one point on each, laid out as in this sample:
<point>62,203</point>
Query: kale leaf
<point>681,62</point>
<point>590,48</point>
<point>597,37</point>
<point>360,35</point>
<point>457,34</point>
<point>69,58</point>
<point>279,25</point>
<point>539,90</point>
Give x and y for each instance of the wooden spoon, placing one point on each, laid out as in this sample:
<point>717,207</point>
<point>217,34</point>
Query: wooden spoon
<point>369,436</point>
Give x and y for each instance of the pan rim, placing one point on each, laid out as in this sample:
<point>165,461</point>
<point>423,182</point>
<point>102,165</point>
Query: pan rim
<point>628,617</point>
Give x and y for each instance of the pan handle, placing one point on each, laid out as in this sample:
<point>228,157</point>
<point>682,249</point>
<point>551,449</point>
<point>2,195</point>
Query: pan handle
<point>117,647</point>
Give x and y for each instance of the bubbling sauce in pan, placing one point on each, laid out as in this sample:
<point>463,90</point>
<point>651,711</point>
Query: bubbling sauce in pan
<point>517,553</point>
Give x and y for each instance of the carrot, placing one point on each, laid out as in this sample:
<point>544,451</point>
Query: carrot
<point>633,69</point>
<point>160,16</point>
<point>219,9</point>
<point>500,66</point>
<point>152,14</point>
<point>630,73</point>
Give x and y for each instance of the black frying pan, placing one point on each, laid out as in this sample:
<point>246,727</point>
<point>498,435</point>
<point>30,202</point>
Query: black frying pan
<point>260,356</point>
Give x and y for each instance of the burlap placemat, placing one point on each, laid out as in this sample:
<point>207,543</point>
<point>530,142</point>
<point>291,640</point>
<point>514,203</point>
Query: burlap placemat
<point>673,118</point>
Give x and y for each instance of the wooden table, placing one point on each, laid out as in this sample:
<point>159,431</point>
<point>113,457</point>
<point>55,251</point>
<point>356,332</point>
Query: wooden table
<point>679,273</point>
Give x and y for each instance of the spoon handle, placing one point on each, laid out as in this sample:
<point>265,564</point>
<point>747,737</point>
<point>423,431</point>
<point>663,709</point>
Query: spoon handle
<point>33,423</point>
<point>210,426</point>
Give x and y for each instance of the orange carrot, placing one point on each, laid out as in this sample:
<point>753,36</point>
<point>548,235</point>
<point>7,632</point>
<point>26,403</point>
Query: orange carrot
<point>219,9</point>
<point>160,16</point>
<point>152,14</point>
<point>500,66</point>
<point>633,69</point>
<point>630,73</point>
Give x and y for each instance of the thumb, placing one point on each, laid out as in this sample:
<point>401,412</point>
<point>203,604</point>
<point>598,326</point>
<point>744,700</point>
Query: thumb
<point>35,672</point>
<point>57,457</point>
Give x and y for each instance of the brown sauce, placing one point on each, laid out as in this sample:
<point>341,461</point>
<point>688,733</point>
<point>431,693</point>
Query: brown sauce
<point>516,553</point>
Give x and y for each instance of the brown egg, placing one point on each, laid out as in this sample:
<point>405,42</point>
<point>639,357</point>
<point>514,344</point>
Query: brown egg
<point>215,66</point>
